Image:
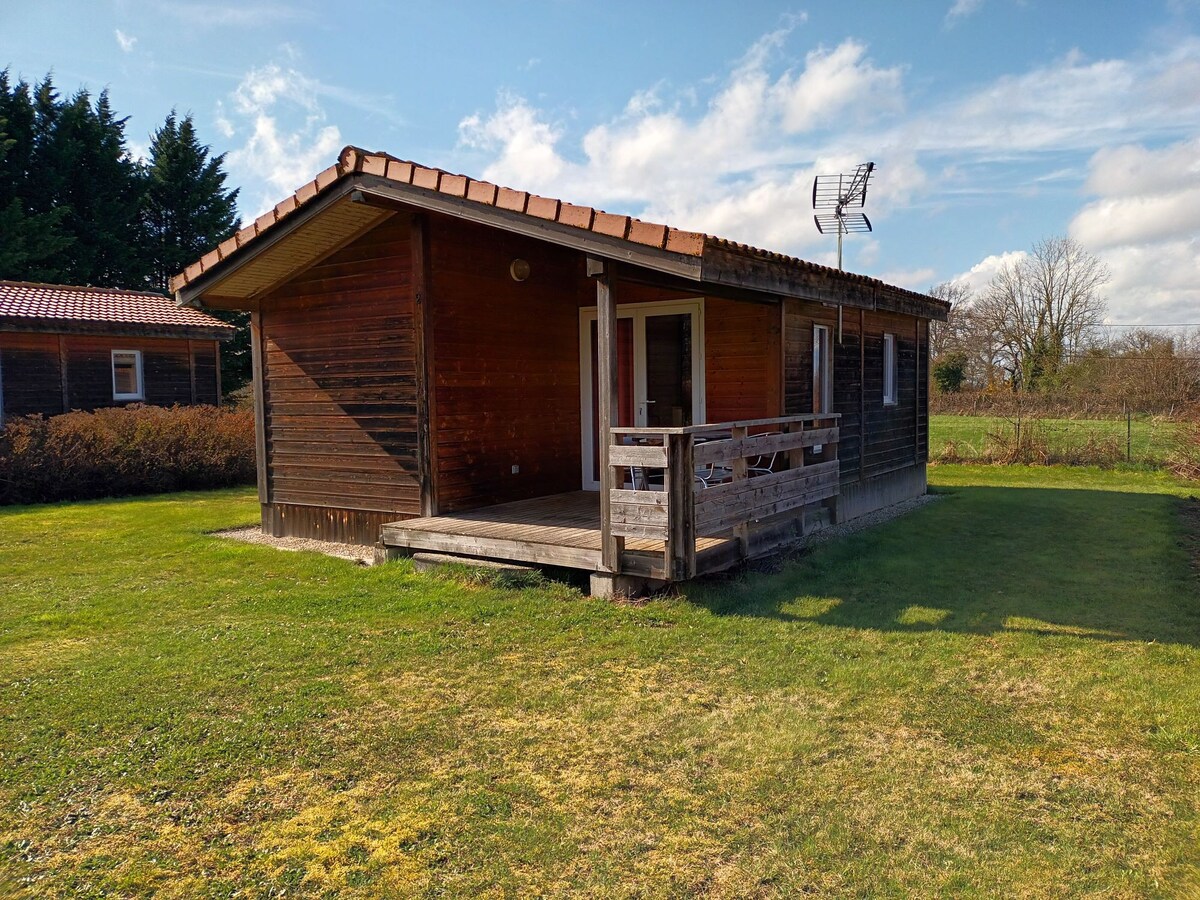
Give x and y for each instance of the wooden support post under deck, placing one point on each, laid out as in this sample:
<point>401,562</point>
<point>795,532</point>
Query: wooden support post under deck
<point>607,393</point>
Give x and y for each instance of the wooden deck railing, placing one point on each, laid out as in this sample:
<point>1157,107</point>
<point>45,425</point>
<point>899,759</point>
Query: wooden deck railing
<point>678,484</point>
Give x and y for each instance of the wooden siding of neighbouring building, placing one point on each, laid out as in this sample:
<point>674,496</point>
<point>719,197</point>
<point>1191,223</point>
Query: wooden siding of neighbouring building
<point>30,375</point>
<point>339,389</point>
<point>876,438</point>
<point>32,366</point>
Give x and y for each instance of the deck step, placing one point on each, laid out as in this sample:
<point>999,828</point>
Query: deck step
<point>425,561</point>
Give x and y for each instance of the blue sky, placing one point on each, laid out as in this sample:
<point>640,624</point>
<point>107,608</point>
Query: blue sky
<point>993,123</point>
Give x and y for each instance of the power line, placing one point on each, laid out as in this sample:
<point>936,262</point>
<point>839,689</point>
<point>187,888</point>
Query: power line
<point>1164,325</point>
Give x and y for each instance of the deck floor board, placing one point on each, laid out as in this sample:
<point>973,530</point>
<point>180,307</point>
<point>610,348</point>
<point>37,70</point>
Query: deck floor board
<point>526,528</point>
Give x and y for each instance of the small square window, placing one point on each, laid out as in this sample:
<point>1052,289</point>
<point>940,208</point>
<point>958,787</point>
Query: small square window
<point>890,370</point>
<point>127,375</point>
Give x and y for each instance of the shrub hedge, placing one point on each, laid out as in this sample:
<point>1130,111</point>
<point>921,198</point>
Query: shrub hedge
<point>131,450</point>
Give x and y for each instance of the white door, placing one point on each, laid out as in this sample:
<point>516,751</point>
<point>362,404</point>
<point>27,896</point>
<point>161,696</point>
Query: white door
<point>660,371</point>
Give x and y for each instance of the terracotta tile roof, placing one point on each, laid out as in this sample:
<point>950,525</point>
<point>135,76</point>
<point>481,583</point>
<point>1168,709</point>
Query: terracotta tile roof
<point>69,304</point>
<point>353,160</point>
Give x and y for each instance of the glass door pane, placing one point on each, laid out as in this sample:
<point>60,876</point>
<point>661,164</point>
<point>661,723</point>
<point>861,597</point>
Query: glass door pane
<point>668,370</point>
<point>625,385</point>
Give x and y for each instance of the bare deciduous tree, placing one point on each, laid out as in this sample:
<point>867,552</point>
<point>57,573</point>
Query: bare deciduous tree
<point>966,331</point>
<point>1043,308</point>
<point>948,337</point>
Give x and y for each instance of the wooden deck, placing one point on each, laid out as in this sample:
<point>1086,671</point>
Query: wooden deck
<point>558,530</point>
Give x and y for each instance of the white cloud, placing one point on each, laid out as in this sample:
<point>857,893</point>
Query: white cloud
<point>980,275</point>
<point>1145,223</point>
<point>914,279</point>
<point>125,41</point>
<point>961,9</point>
<point>1070,104</point>
<point>287,137</point>
<point>740,166</point>
<point>841,83</point>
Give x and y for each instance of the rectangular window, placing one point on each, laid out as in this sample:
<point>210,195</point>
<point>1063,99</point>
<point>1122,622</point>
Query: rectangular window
<point>822,370</point>
<point>127,375</point>
<point>890,371</point>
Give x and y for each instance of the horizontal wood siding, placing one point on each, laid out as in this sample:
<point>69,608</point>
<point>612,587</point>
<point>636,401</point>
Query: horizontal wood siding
<point>505,361</point>
<point>892,430</point>
<point>742,360</point>
<point>799,318</point>
<point>345,526</point>
<point>888,437</point>
<point>29,374</point>
<point>204,358</point>
<point>166,372</point>
<point>32,372</point>
<point>339,376</point>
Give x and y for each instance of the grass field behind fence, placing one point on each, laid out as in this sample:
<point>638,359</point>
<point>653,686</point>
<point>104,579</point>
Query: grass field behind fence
<point>1150,439</point>
<point>995,696</point>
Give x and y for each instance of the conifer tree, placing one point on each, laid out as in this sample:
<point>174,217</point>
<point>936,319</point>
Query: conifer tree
<point>32,242</point>
<point>187,211</point>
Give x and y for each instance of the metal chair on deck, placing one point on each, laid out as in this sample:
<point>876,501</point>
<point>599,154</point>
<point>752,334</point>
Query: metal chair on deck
<point>763,464</point>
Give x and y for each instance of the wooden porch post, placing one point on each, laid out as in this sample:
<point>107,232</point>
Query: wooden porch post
<point>607,393</point>
<point>260,421</point>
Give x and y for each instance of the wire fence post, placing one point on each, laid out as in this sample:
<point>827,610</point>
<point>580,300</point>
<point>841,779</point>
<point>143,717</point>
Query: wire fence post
<point>1128,432</point>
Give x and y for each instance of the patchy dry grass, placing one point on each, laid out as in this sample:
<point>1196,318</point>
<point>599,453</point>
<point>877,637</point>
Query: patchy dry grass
<point>997,696</point>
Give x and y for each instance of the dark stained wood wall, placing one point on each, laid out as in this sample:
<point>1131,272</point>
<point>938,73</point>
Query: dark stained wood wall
<point>205,359</point>
<point>339,383</point>
<point>875,438</point>
<point>31,371</point>
<point>30,375</point>
<point>165,370</point>
<point>504,357</point>
<point>742,360</point>
<point>505,363</point>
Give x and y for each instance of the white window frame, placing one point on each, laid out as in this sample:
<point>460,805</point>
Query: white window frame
<point>822,369</point>
<point>140,393</point>
<point>891,371</point>
<point>638,312</point>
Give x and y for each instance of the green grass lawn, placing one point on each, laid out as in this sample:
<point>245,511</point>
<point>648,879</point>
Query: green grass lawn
<point>1149,439</point>
<point>998,695</point>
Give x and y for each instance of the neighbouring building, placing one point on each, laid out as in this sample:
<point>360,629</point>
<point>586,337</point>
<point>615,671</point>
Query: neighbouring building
<point>64,348</point>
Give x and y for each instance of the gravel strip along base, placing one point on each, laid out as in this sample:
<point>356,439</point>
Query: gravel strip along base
<point>364,556</point>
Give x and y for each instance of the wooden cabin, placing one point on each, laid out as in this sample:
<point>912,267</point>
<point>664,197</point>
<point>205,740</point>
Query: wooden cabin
<point>64,348</point>
<point>445,365</point>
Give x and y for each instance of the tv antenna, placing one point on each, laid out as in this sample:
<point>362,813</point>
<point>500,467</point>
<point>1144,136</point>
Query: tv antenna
<point>840,193</point>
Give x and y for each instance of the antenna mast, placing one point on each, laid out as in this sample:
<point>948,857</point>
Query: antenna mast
<point>840,193</point>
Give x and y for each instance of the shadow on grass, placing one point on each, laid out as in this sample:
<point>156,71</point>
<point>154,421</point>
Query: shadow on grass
<point>985,560</point>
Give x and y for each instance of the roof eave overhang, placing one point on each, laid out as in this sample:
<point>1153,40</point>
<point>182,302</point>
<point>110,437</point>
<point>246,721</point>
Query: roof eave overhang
<point>782,278</point>
<point>376,189</point>
<point>717,266</point>
<point>193,292</point>
<point>34,325</point>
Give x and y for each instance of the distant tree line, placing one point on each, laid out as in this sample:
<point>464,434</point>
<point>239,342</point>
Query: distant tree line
<point>77,208</point>
<point>1037,329</point>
